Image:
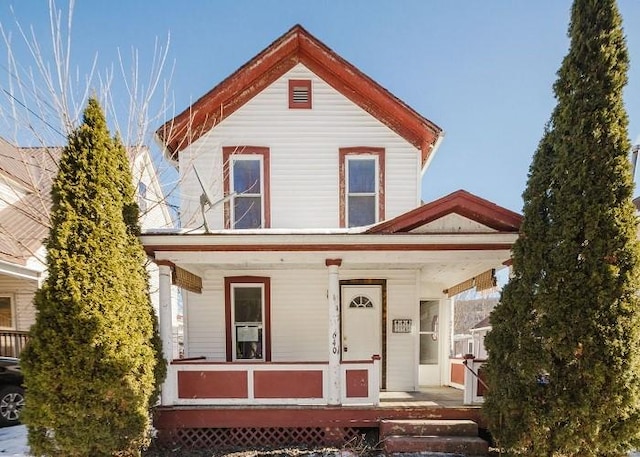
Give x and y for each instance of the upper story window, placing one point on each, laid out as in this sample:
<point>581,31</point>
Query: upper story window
<point>246,176</point>
<point>247,302</point>
<point>300,94</point>
<point>362,186</point>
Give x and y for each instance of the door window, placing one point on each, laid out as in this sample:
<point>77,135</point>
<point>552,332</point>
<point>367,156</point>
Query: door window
<point>429,327</point>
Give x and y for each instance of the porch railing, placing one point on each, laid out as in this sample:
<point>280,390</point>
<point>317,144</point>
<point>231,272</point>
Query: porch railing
<point>467,374</point>
<point>12,342</point>
<point>203,382</point>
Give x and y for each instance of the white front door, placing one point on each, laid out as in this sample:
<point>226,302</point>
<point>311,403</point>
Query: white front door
<point>361,322</point>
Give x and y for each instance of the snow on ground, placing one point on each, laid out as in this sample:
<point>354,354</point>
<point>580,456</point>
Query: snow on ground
<point>13,442</point>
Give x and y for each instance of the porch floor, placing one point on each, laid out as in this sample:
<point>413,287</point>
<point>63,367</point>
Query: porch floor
<point>426,397</point>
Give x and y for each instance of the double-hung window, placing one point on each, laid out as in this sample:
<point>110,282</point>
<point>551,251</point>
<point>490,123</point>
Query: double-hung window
<point>362,178</point>
<point>248,322</point>
<point>246,178</point>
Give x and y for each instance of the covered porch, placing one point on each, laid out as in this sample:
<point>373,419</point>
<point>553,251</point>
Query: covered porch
<point>302,352</point>
<point>319,336</point>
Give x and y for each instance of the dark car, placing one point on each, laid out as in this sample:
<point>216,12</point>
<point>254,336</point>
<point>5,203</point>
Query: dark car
<point>11,391</point>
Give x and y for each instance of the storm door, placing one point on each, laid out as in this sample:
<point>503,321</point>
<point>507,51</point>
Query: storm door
<point>429,371</point>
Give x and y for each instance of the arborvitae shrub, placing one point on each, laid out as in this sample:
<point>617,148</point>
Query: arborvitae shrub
<point>564,352</point>
<point>92,362</point>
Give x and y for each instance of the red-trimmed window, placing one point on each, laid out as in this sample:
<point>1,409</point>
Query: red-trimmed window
<point>248,318</point>
<point>246,178</point>
<point>361,186</point>
<point>300,94</point>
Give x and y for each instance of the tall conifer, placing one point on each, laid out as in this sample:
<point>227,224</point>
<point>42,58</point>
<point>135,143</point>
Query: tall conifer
<point>564,353</point>
<point>91,364</point>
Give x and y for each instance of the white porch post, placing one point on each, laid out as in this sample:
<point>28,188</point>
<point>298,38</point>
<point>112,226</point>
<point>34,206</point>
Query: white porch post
<point>166,332</point>
<point>335,392</point>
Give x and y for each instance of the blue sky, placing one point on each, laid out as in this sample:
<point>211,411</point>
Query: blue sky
<point>483,71</point>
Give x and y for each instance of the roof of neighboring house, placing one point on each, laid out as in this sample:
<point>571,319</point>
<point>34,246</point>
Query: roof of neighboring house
<point>459,202</point>
<point>298,46</point>
<point>25,223</point>
<point>484,323</point>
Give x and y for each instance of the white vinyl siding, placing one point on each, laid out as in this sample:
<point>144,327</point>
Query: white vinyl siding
<point>299,318</point>
<point>304,147</point>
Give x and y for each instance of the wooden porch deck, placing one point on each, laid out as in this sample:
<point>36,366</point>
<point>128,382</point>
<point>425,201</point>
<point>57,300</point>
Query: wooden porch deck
<point>442,397</point>
<point>200,425</point>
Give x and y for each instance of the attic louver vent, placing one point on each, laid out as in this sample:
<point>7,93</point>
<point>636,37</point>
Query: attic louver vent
<point>300,94</point>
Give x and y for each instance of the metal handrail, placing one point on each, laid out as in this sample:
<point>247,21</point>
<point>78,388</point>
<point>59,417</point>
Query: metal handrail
<point>464,362</point>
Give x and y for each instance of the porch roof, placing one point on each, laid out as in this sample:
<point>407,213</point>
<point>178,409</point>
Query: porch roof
<point>445,259</point>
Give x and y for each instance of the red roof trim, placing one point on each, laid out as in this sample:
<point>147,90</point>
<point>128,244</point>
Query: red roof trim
<point>297,46</point>
<point>460,202</point>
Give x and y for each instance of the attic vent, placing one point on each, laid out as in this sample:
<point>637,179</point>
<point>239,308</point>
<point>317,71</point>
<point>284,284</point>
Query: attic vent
<point>300,94</point>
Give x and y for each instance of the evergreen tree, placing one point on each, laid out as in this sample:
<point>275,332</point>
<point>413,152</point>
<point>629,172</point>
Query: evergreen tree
<point>564,352</point>
<point>91,365</point>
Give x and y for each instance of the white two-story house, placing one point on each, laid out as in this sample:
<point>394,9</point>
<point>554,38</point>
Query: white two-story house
<point>312,273</point>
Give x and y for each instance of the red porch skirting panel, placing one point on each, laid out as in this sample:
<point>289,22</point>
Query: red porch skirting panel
<point>287,384</point>
<point>457,373</point>
<point>212,384</point>
<point>357,383</point>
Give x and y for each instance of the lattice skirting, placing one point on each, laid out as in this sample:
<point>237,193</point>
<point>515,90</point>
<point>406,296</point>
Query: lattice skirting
<point>220,438</point>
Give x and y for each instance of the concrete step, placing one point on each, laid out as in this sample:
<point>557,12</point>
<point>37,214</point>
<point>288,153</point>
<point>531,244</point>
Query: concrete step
<point>428,428</point>
<point>460,445</point>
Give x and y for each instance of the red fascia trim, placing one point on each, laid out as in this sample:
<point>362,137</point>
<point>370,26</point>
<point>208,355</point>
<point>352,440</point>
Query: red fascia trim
<point>297,46</point>
<point>328,247</point>
<point>342,186</point>
<point>460,202</point>
<point>306,83</point>
<point>227,152</point>
<point>266,282</point>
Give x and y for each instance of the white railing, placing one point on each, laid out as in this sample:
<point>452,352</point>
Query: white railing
<point>203,382</point>
<point>473,383</point>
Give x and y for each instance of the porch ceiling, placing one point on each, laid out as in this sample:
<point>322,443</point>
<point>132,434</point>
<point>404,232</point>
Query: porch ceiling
<point>442,267</point>
<point>442,259</point>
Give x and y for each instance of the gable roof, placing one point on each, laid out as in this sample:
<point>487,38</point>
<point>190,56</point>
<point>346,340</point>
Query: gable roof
<point>298,46</point>
<point>459,202</point>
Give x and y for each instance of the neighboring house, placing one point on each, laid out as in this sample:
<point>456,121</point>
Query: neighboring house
<point>26,176</point>
<point>478,332</point>
<point>311,274</point>
<point>470,309</point>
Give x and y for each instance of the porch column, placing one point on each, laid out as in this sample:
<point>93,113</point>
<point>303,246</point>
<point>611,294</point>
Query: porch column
<point>166,332</point>
<point>334,393</point>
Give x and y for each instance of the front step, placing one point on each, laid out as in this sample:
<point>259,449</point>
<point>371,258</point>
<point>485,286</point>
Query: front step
<point>443,436</point>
